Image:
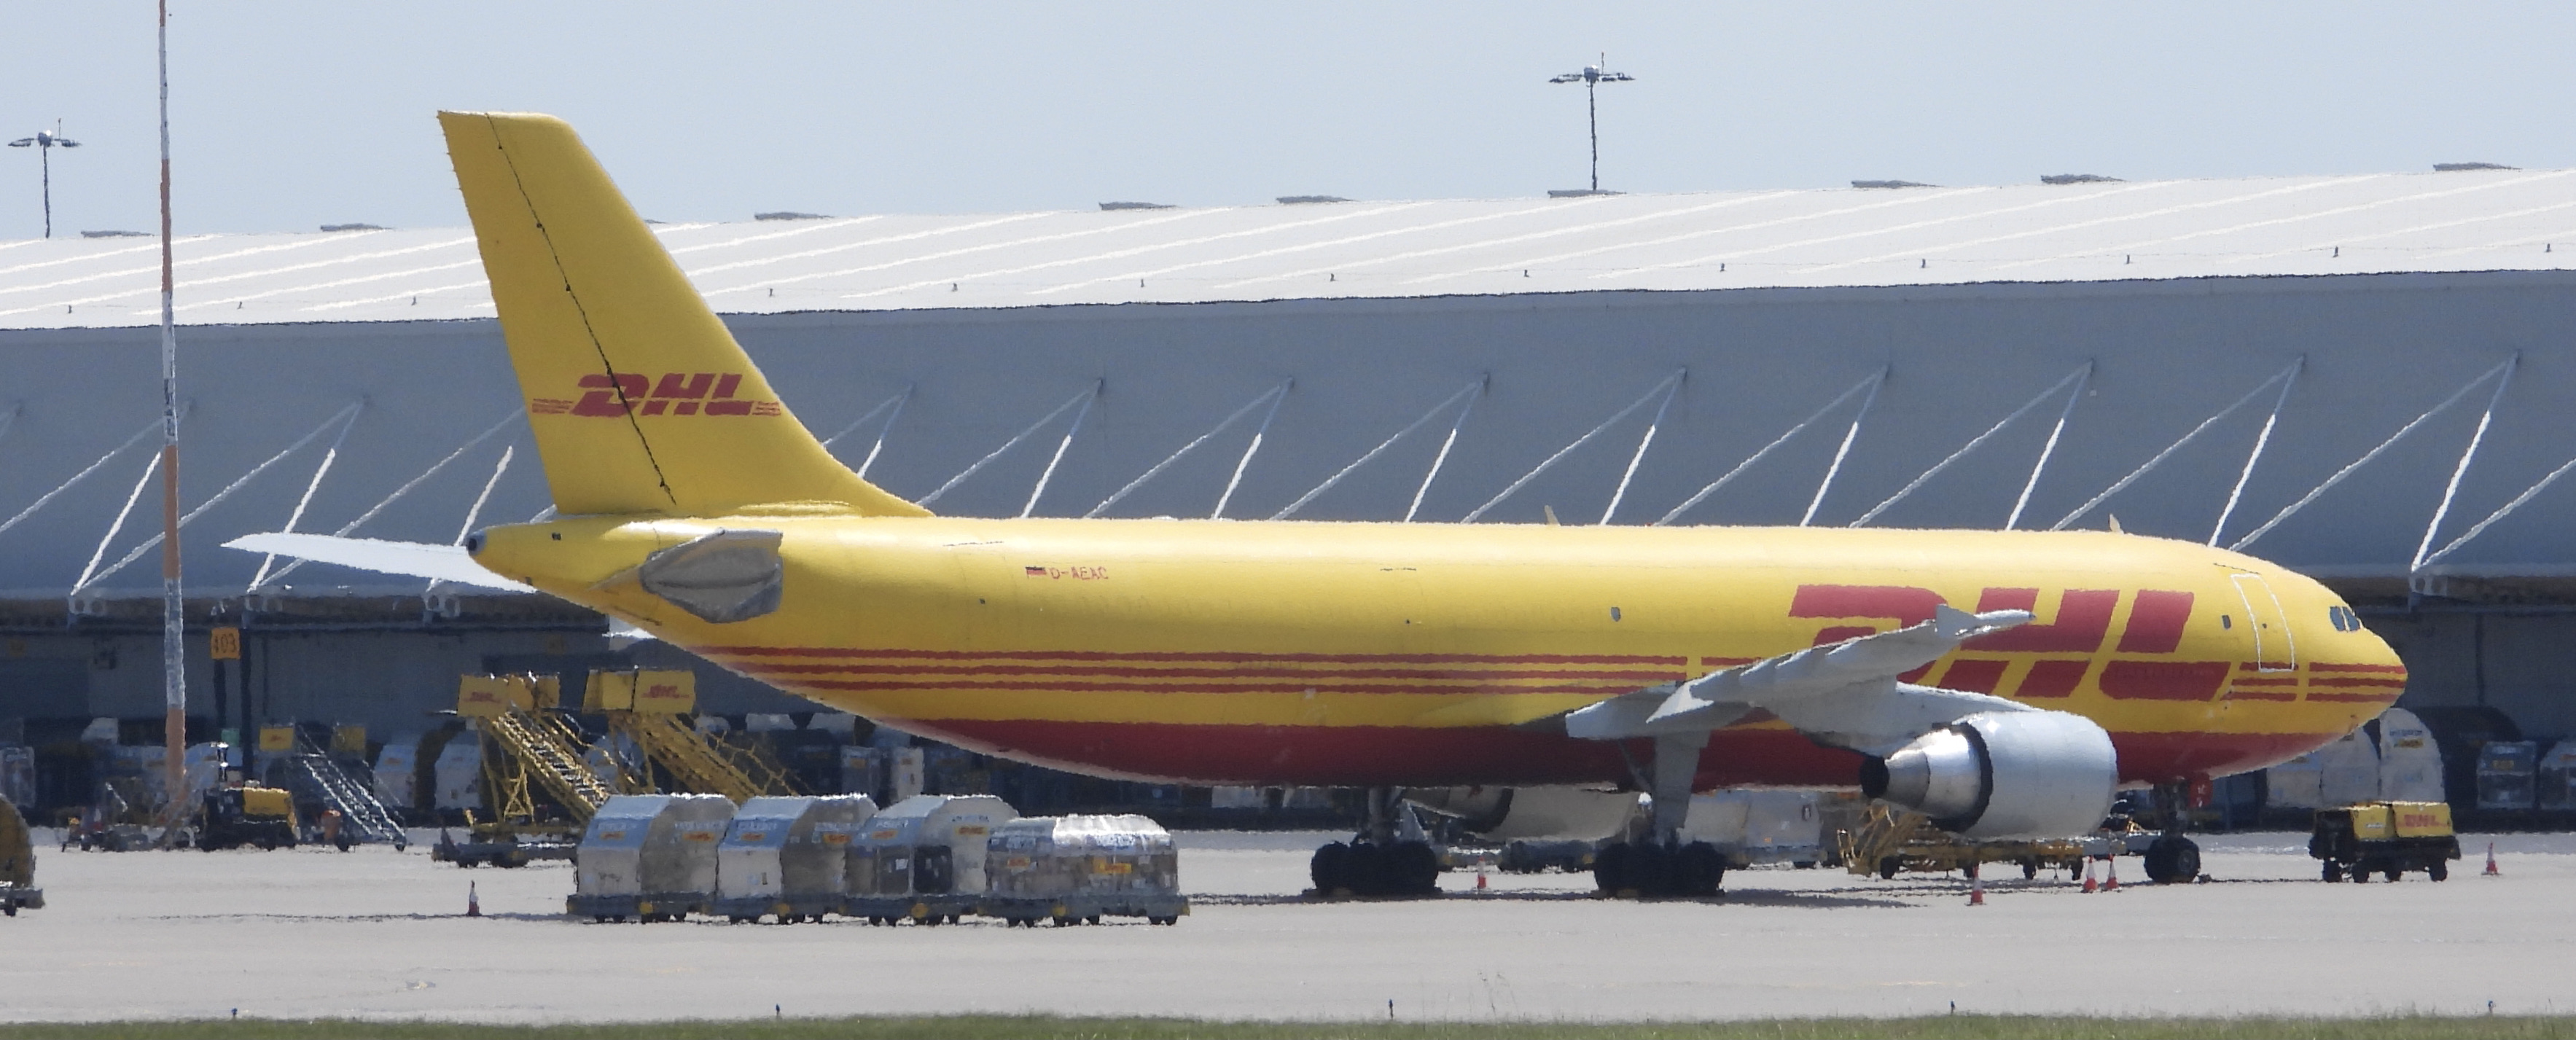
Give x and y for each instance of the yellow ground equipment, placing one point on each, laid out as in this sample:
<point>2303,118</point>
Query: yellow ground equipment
<point>526,741</point>
<point>1889,840</point>
<point>647,705</point>
<point>247,815</point>
<point>17,863</point>
<point>2390,838</point>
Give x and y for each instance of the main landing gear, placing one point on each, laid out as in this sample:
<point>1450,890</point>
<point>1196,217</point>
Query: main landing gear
<point>2172,858</point>
<point>1389,857</point>
<point>1662,864</point>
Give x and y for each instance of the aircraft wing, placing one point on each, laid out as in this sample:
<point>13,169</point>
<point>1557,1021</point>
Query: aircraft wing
<point>1847,694</point>
<point>416,559</point>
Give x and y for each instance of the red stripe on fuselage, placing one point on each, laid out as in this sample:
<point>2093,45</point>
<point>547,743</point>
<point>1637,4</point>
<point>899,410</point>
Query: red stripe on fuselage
<point>1374,755</point>
<point>1247,672</point>
<point>1208,657</point>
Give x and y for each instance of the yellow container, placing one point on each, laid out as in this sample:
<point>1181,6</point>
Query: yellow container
<point>277,738</point>
<point>267,802</point>
<point>2422,819</point>
<point>349,740</point>
<point>2372,822</point>
<point>487,696</point>
<point>668,692</point>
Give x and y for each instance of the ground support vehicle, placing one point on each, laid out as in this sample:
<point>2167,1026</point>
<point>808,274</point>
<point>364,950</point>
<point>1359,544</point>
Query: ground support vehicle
<point>944,908</point>
<point>516,848</point>
<point>2387,838</point>
<point>1532,856</point>
<point>1079,908</point>
<point>1889,841</point>
<point>251,814</point>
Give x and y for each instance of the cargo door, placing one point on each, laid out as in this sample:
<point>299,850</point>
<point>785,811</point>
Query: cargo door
<point>2266,625</point>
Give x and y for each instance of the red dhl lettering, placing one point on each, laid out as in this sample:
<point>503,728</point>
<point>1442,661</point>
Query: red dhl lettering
<point>617,394</point>
<point>2083,617</point>
<point>661,692</point>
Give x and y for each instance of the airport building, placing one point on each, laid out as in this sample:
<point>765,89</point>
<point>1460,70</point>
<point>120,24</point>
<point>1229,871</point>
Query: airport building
<point>2356,376</point>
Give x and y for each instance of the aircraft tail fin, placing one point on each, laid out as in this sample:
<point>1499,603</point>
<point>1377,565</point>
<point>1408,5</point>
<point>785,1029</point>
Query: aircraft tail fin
<point>640,399</point>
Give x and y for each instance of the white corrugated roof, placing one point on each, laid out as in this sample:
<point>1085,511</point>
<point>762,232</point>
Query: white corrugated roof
<point>2456,221</point>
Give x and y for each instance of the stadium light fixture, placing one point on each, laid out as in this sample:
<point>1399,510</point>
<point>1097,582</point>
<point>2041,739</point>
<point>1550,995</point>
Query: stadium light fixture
<point>1592,77</point>
<point>44,144</point>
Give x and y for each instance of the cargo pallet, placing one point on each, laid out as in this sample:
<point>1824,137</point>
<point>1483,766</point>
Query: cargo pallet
<point>787,909</point>
<point>892,910</point>
<point>1027,911</point>
<point>648,908</point>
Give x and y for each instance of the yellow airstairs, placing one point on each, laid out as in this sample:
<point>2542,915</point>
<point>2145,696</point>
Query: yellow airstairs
<point>647,705</point>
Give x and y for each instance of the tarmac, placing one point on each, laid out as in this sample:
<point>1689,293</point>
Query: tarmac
<point>378,934</point>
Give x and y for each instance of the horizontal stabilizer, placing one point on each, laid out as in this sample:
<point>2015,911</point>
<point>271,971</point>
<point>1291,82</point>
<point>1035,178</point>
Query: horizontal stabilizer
<point>416,559</point>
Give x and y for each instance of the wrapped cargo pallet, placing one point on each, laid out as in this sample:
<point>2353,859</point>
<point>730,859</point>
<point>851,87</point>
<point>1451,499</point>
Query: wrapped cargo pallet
<point>786,856</point>
<point>1078,869</point>
<point>922,859</point>
<point>649,856</point>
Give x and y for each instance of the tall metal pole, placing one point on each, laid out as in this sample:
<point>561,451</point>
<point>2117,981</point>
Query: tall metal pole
<point>174,662</point>
<point>1592,107</point>
<point>45,168</point>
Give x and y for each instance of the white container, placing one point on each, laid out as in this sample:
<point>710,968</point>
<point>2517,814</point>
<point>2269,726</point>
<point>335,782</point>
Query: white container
<point>1759,826</point>
<point>785,847</point>
<point>458,773</point>
<point>2410,763</point>
<point>2296,784</point>
<point>926,845</point>
<point>907,774</point>
<point>652,845</point>
<point>2350,768</point>
<point>397,773</point>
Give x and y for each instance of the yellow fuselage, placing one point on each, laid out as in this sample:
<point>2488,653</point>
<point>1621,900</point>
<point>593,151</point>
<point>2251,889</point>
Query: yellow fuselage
<point>1364,653</point>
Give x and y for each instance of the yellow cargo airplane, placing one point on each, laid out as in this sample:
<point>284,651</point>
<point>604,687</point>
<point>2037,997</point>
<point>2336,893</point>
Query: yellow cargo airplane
<point>2004,682</point>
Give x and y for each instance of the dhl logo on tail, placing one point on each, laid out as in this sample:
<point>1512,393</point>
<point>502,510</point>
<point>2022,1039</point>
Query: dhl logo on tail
<point>678,393</point>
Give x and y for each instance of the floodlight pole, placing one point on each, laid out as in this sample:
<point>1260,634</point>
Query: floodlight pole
<point>174,662</point>
<point>44,144</point>
<point>1592,77</point>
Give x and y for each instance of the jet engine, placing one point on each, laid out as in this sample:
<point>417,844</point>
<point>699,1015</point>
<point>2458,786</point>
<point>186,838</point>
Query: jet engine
<point>2037,774</point>
<point>1509,813</point>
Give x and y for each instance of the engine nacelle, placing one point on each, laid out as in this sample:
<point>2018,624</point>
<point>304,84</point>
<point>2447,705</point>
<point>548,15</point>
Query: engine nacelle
<point>1509,813</point>
<point>2037,774</point>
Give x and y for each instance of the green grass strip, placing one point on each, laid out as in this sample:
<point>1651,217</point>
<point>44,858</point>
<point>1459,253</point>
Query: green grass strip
<point>982,1027</point>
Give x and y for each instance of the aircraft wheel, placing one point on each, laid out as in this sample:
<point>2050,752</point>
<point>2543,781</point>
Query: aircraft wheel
<point>2029,869</point>
<point>1365,871</point>
<point>1412,869</point>
<point>2438,871</point>
<point>2332,872</point>
<point>2392,874</point>
<point>1610,867</point>
<point>1330,868</point>
<point>1650,869</point>
<point>1888,867</point>
<point>1699,869</point>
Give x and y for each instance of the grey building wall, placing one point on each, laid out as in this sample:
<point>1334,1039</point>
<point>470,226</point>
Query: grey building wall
<point>2378,350</point>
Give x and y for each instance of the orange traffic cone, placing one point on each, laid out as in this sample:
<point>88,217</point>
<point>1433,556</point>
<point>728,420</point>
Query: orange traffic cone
<point>1976,887</point>
<point>1480,879</point>
<point>2090,885</point>
<point>2491,870</point>
<point>2111,867</point>
<point>473,901</point>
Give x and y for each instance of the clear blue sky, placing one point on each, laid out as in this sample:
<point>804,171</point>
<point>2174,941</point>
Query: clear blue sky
<point>293,114</point>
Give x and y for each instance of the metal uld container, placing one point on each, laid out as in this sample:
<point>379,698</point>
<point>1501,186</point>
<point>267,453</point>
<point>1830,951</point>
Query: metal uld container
<point>657,847</point>
<point>927,844</point>
<point>787,852</point>
<point>1043,857</point>
<point>2507,772</point>
<point>2557,792</point>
